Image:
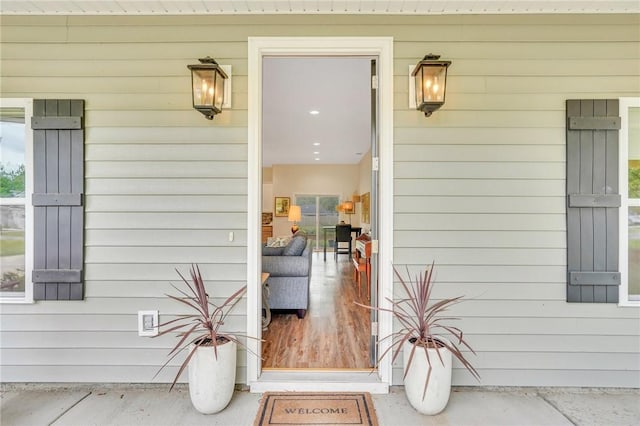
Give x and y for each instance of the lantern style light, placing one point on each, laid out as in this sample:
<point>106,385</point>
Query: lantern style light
<point>207,86</point>
<point>430,83</point>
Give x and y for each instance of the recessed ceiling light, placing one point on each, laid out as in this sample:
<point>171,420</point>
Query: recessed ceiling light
<point>316,152</point>
<point>317,159</point>
<point>316,144</point>
<point>314,112</point>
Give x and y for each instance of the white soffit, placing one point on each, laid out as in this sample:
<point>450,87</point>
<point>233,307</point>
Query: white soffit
<point>401,7</point>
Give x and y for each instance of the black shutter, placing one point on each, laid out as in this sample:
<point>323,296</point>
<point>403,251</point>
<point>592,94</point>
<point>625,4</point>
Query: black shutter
<point>593,200</point>
<point>58,153</point>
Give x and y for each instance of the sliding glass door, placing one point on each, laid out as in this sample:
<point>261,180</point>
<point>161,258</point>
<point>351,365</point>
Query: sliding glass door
<point>317,211</point>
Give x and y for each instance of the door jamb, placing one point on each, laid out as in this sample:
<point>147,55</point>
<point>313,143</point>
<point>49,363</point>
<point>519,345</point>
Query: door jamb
<point>382,47</point>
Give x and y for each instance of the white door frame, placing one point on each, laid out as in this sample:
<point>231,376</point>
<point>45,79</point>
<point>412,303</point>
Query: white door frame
<point>258,47</point>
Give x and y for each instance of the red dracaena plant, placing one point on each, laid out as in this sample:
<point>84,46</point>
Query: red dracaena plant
<point>201,328</point>
<point>421,322</point>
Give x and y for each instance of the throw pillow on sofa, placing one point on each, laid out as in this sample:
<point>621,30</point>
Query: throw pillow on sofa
<point>295,247</point>
<point>278,241</point>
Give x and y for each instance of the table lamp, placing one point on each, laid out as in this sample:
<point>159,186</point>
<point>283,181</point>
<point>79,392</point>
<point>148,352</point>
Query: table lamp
<point>349,208</point>
<point>295,215</point>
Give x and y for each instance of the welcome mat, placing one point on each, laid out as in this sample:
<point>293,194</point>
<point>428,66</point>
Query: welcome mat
<point>293,408</point>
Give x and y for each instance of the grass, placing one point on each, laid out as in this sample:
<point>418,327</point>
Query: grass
<point>13,281</point>
<point>11,242</point>
<point>634,261</point>
<point>634,268</point>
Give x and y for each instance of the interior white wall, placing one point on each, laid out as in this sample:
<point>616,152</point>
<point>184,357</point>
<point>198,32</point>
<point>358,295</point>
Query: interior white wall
<point>267,190</point>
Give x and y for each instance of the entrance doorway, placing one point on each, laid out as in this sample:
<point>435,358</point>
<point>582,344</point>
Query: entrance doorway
<point>318,139</point>
<point>381,49</point>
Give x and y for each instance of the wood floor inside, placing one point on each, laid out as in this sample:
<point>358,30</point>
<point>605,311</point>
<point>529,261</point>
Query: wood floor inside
<point>334,334</point>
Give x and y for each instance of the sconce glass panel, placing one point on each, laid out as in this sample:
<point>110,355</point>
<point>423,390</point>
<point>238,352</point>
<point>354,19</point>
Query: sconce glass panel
<point>432,79</point>
<point>204,87</point>
<point>430,83</point>
<point>207,80</point>
<point>219,91</point>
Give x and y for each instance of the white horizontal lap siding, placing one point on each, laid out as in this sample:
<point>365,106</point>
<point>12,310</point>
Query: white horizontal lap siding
<point>480,189</point>
<point>164,194</point>
<point>479,186</point>
<point>164,188</point>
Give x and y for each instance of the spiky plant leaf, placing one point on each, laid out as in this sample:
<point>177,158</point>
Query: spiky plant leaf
<point>420,320</point>
<point>202,328</point>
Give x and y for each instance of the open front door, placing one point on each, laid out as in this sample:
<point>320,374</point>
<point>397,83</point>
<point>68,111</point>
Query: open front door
<point>373,351</point>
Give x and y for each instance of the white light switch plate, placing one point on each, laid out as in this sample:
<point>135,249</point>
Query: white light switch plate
<point>147,323</point>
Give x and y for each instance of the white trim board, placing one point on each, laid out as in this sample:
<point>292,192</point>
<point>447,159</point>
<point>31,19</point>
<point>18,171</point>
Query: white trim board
<point>258,47</point>
<point>624,298</point>
<point>27,104</point>
<point>286,7</point>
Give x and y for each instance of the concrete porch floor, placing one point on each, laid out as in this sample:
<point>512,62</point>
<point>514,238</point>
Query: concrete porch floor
<point>83,404</point>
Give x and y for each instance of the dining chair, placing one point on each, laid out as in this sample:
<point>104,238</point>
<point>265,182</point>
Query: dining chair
<point>343,235</point>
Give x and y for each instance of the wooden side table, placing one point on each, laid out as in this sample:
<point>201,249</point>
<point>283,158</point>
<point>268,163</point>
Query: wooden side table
<point>267,232</point>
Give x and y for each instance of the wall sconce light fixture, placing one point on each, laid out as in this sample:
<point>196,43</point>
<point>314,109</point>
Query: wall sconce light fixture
<point>348,207</point>
<point>430,80</point>
<point>207,87</point>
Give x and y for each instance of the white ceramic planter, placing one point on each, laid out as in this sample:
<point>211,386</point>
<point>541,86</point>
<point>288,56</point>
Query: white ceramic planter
<point>211,380</point>
<point>439,388</point>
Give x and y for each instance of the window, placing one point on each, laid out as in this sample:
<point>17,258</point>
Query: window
<point>630,206</point>
<point>317,211</point>
<point>16,212</point>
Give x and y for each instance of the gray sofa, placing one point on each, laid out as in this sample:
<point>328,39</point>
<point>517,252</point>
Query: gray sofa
<point>289,275</point>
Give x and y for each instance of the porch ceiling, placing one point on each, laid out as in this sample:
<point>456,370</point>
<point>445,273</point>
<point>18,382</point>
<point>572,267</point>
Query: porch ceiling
<point>423,7</point>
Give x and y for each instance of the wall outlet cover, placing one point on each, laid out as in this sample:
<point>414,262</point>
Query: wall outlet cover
<point>147,323</point>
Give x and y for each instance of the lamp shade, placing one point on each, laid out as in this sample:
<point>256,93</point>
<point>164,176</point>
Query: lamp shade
<point>207,87</point>
<point>295,214</point>
<point>348,207</point>
<point>430,83</point>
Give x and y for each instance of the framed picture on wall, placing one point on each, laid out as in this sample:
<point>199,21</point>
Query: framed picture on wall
<point>365,208</point>
<point>282,206</point>
<point>267,218</point>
